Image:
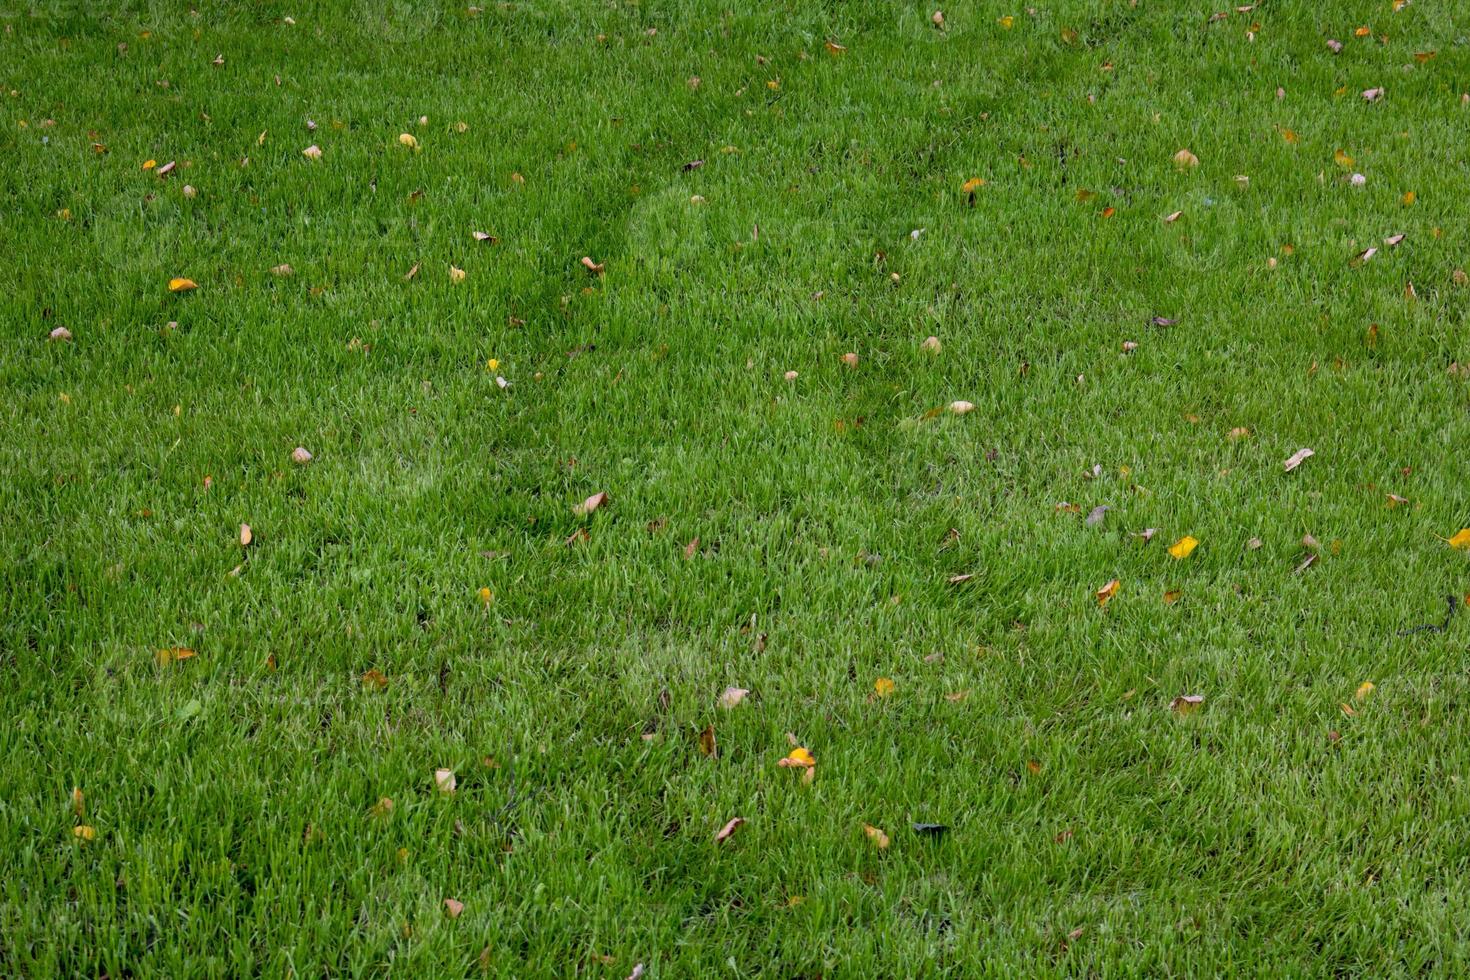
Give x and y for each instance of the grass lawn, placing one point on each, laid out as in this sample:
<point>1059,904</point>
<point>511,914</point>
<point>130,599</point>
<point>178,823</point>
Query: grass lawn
<point>685,201</point>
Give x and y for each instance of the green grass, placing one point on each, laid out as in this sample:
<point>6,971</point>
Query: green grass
<point>230,793</point>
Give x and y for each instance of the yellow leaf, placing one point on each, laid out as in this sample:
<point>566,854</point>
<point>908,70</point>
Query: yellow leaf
<point>1183,547</point>
<point>798,758</point>
<point>877,836</point>
<point>1007,22</point>
<point>1409,197</point>
<point>180,285</point>
<point>173,654</point>
<point>1289,135</point>
<point>1341,158</point>
<point>78,803</point>
<point>82,832</point>
<point>973,184</point>
<point>1364,689</point>
<point>409,140</point>
<point>1462,539</point>
<point>149,164</point>
<point>1362,32</point>
<point>456,274</point>
<point>486,596</point>
<point>1107,592</point>
<point>883,686</point>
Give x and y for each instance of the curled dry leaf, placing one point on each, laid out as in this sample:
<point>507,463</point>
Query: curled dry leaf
<point>834,48</point>
<point>1129,346</point>
<point>937,19</point>
<point>707,745</point>
<point>1172,596</point>
<point>790,375</point>
<point>930,344</point>
<point>1163,321</point>
<point>1394,500</point>
<point>1106,593</point>
<point>1372,94</point>
<point>282,270</point>
<point>1183,547</point>
<point>456,274</point>
<point>1186,703</point>
<point>1147,534</point>
<point>408,140</point>
<point>879,839</point>
<point>1184,160</point>
<point>1334,45</point>
<point>726,832</point>
<point>178,284</point>
<point>300,456</point>
<point>453,907</point>
<point>375,679</point>
<point>593,267</point>
<point>78,802</point>
<point>1297,458</point>
<point>166,169</point>
<point>692,548</point>
<point>312,152</point>
<point>60,335</point>
<point>731,696</point>
<point>961,407</point>
<point>1172,217</point>
<point>444,780</point>
<point>411,272</point>
<point>798,758</point>
<point>1239,432</point>
<point>590,505</point>
<point>1254,544</point>
<point>850,359</point>
<point>481,236</point>
<point>1393,240</point>
<point>1365,255</point>
<point>1096,515</point>
<point>246,535</point>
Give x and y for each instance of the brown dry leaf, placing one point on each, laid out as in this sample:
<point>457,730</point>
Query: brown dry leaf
<point>937,19</point>
<point>834,48</point>
<point>1184,160</point>
<point>246,535</point>
<point>453,907</point>
<point>590,505</point>
<point>444,780</point>
<point>1172,596</point>
<point>707,741</point>
<point>481,236</point>
<point>78,804</point>
<point>1307,563</point>
<point>411,272</point>
<point>1297,458</point>
<point>1348,709</point>
<point>850,359</point>
<point>1186,703</point>
<point>1106,593</point>
<point>726,832</point>
<point>957,696</point>
<point>375,678</point>
<point>879,839</point>
<point>731,696</point>
<point>593,267</point>
<point>283,270</point>
<point>382,808</point>
<point>1172,217</point>
<point>692,548</point>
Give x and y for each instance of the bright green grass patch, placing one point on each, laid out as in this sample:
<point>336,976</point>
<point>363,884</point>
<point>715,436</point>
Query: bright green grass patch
<point>230,793</point>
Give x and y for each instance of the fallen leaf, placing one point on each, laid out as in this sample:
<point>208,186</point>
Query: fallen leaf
<point>957,696</point>
<point>637,973</point>
<point>374,678</point>
<point>173,655</point>
<point>1307,563</point>
<point>707,741</point>
<point>1253,544</point>
<point>78,804</point>
<point>181,285</point>
<point>444,780</point>
<point>1183,547</point>
<point>883,687</point>
<point>411,272</point>
<point>1365,255</point>
<point>1348,710</point>
<point>283,270</point>
<point>84,833</point>
<point>1184,160</point>
<point>798,758</point>
<point>300,456</point>
<point>1096,515</point>
<point>834,48</point>
<point>879,839</point>
<point>60,334</point>
<point>1172,217</point>
<point>1393,240</point>
<point>850,359</point>
<point>1461,540</point>
<point>1162,321</point>
<point>312,152</point>
<point>1297,458</point>
<point>1335,45</point>
<point>590,505</point>
<point>961,407</point>
<point>1341,158</point>
<point>1172,596</point>
<point>972,185</point>
<point>382,808</point>
<point>732,696</point>
<point>1147,534</point>
<point>961,579</point>
<point>692,548</point>
<point>1364,689</point>
<point>167,169</point>
<point>592,267</point>
<point>1186,703</point>
<point>408,140</point>
<point>1394,500</point>
<point>481,236</point>
<point>246,535</point>
<point>790,376</point>
<point>1106,593</point>
<point>726,832</point>
<point>1372,94</point>
<point>937,19</point>
<point>1239,432</point>
<point>453,907</point>
<point>456,274</point>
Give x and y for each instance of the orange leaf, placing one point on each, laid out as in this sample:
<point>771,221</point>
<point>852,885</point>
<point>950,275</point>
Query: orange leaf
<point>1107,592</point>
<point>180,285</point>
